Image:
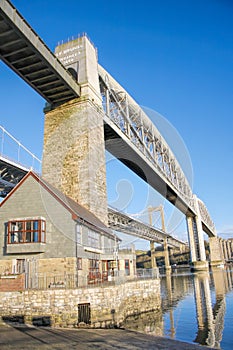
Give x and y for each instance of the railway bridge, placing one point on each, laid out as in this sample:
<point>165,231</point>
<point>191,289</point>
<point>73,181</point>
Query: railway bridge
<point>87,112</point>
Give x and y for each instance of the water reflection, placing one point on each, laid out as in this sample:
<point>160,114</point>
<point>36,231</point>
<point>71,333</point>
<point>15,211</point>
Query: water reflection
<point>193,309</point>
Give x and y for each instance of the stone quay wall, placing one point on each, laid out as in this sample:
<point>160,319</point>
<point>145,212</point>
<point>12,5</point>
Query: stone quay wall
<point>108,306</point>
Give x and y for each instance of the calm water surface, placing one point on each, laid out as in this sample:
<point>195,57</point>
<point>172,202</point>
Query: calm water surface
<point>196,308</point>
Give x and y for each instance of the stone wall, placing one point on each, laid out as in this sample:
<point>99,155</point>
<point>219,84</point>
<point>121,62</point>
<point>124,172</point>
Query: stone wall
<point>74,147</point>
<point>109,306</point>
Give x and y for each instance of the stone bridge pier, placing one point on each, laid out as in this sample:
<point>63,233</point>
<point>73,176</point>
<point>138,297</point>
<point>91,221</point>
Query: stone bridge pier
<point>196,242</point>
<point>218,251</point>
<point>226,249</point>
<point>74,149</point>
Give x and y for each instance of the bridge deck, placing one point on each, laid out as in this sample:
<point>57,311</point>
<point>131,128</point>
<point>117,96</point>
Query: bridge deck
<point>122,222</point>
<point>24,52</point>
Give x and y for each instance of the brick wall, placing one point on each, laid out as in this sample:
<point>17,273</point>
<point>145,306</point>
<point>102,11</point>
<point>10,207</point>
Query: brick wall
<point>11,283</point>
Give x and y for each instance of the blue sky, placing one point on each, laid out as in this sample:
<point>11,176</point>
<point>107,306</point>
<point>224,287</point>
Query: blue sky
<point>174,57</point>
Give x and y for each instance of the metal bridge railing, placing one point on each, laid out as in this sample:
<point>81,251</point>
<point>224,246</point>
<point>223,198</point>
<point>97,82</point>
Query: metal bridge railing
<point>14,151</point>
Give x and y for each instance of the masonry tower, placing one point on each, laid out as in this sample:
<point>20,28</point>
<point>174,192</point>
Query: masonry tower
<point>74,150</point>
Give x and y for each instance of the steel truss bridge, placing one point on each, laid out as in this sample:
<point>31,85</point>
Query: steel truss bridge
<point>123,222</point>
<point>132,137</point>
<point>129,133</point>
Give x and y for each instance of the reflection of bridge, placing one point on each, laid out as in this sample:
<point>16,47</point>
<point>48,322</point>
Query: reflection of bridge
<point>210,318</point>
<point>89,111</point>
<point>210,311</point>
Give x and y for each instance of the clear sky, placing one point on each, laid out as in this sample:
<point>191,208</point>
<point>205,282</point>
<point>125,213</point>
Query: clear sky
<point>172,56</point>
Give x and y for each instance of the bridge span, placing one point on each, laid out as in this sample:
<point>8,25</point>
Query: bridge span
<point>99,114</point>
<point>24,52</point>
<point>125,223</point>
<point>132,138</point>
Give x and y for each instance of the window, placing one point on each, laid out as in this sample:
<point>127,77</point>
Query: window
<point>26,231</point>
<point>127,272</point>
<point>18,266</point>
<point>94,273</point>
<point>93,265</point>
<point>93,239</point>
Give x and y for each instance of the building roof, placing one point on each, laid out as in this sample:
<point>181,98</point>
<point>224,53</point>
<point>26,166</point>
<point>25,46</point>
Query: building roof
<point>78,212</point>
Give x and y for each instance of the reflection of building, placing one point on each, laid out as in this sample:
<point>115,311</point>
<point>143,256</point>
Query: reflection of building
<point>44,232</point>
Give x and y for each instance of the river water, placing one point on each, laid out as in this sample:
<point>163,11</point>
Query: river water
<point>196,308</point>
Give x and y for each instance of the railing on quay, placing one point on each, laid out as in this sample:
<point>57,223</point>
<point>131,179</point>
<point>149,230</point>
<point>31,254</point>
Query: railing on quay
<point>71,281</point>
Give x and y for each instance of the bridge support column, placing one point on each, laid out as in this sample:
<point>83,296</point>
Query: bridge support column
<point>166,256</point>
<point>153,256</point>
<point>215,252</point>
<point>196,242</point>
<point>221,248</point>
<point>74,148</point>
<point>229,249</point>
<point>225,253</point>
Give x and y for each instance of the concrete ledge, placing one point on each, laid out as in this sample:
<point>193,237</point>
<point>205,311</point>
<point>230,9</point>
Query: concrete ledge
<point>26,248</point>
<point>217,264</point>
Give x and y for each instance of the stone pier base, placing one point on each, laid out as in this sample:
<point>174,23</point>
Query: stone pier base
<point>200,266</point>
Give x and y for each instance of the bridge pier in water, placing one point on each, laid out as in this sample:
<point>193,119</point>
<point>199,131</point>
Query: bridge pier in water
<point>216,252</point>
<point>74,149</point>
<point>166,256</point>
<point>196,242</point>
<point>229,249</point>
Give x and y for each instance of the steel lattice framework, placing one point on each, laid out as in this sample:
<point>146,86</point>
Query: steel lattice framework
<point>136,126</point>
<point>11,170</point>
<point>122,222</point>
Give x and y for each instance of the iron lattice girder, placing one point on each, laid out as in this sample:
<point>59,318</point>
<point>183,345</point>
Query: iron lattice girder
<point>206,219</point>
<point>24,52</point>
<point>133,124</point>
<point>10,175</point>
<point>121,222</point>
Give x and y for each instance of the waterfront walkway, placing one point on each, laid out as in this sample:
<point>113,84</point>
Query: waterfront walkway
<point>46,338</point>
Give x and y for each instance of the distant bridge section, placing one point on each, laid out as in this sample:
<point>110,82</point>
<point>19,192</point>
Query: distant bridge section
<point>24,52</point>
<point>122,222</point>
<point>11,170</point>
<point>10,174</point>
